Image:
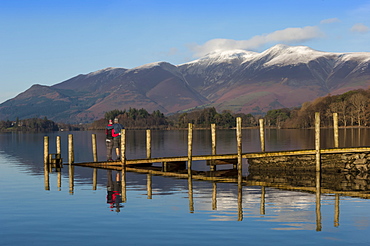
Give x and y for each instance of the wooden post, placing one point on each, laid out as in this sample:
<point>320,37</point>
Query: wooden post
<point>317,141</point>
<point>240,171</point>
<point>190,146</point>
<point>58,146</point>
<point>70,149</point>
<point>262,134</point>
<point>214,146</point>
<point>94,147</point>
<point>95,157</point>
<point>46,150</point>
<point>336,135</point>
<point>148,144</point>
<point>239,146</point>
<point>123,147</point>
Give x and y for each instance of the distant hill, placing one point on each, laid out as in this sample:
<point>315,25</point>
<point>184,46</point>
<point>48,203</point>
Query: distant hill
<point>237,80</point>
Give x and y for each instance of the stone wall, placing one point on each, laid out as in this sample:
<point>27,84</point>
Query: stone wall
<point>349,162</point>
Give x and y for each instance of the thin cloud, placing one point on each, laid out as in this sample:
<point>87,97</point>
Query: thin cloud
<point>329,21</point>
<point>360,28</point>
<point>288,36</point>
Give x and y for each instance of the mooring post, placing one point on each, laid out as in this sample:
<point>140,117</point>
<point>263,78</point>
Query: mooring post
<point>123,147</point>
<point>336,135</point>
<point>214,146</point>
<point>58,146</point>
<point>190,146</point>
<point>240,171</point>
<point>94,147</point>
<point>262,134</point>
<point>46,150</point>
<point>148,144</point>
<point>71,158</point>
<point>239,146</point>
<point>317,141</point>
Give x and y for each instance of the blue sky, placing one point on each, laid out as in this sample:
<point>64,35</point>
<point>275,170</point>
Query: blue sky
<point>49,41</point>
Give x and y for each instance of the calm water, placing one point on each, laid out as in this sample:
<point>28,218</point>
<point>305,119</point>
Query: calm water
<point>214,214</point>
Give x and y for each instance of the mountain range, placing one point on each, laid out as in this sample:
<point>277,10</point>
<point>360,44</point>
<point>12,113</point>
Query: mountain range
<point>236,80</point>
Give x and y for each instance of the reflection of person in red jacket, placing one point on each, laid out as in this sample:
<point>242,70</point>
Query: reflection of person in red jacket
<point>114,189</point>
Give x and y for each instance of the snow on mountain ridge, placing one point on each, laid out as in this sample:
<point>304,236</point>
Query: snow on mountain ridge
<point>108,69</point>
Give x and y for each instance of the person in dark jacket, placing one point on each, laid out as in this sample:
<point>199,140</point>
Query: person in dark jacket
<point>117,127</point>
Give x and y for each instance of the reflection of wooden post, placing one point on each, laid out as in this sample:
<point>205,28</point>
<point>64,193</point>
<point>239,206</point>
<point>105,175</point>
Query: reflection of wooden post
<point>190,147</point>
<point>262,134</point>
<point>263,194</point>
<point>239,146</point>
<point>318,201</point>
<point>148,144</point>
<point>70,149</point>
<point>336,211</point>
<point>123,184</point>
<point>94,147</point>
<point>240,200</point>
<point>214,196</point>
<point>95,178</point>
<point>71,178</point>
<point>190,194</point>
<point>46,150</point>
<point>58,145</point>
<point>46,176</point>
<point>149,185</point>
<point>317,141</point>
<point>59,182</point>
<point>214,146</point>
<point>335,125</point>
<point>123,146</point>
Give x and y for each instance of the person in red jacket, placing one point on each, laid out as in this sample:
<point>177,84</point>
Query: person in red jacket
<point>109,139</point>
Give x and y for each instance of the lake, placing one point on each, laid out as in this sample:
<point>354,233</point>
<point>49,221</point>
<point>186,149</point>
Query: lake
<point>213,213</point>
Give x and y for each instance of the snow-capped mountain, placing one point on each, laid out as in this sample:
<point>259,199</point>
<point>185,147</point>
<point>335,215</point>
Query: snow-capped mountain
<point>237,80</point>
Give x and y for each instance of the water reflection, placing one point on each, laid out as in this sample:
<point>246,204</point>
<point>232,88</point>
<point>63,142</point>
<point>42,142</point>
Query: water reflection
<point>114,191</point>
<point>245,189</point>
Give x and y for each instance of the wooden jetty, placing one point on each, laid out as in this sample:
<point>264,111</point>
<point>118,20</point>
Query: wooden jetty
<point>352,159</point>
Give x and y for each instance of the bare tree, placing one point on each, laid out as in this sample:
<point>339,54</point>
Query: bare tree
<point>359,103</point>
